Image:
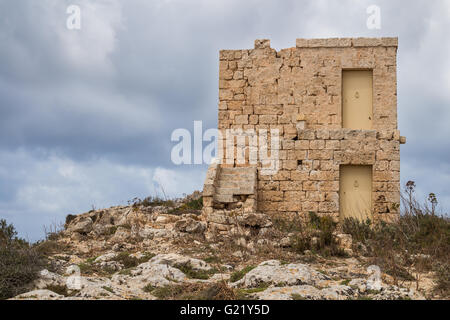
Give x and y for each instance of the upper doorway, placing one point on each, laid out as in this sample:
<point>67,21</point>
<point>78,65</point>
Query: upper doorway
<point>357,110</point>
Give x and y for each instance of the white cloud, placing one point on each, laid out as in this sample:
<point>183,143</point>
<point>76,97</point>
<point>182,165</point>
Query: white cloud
<point>91,46</point>
<point>44,189</point>
<point>175,182</point>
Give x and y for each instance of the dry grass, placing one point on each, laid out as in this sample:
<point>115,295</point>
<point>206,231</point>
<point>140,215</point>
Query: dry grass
<point>19,262</point>
<point>193,291</point>
<point>418,242</point>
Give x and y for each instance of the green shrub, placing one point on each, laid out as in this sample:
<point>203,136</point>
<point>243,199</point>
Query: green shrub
<point>69,219</point>
<point>212,259</point>
<point>286,225</point>
<point>442,271</point>
<point>238,275</point>
<point>59,289</point>
<point>317,236</point>
<point>192,206</point>
<point>151,202</point>
<point>418,239</point>
<point>192,291</point>
<point>19,262</point>
<point>195,274</point>
<point>129,261</point>
<point>360,231</point>
<point>48,247</point>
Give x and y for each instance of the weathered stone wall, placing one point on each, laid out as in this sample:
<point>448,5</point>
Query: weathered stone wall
<point>265,89</point>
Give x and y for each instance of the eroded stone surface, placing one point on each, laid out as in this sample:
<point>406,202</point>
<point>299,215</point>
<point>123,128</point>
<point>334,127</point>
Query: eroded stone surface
<point>273,272</point>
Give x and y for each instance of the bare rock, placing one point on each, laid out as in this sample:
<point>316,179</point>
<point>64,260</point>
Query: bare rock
<point>82,226</point>
<point>343,240</point>
<point>41,294</point>
<point>190,225</point>
<point>173,259</point>
<point>157,275</point>
<point>153,233</point>
<point>285,242</point>
<point>273,272</point>
<point>121,235</point>
<point>305,292</point>
<point>258,220</point>
<point>47,278</point>
<point>105,257</point>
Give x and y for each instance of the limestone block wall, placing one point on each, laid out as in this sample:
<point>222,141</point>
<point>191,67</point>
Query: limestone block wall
<point>262,88</point>
<point>309,177</point>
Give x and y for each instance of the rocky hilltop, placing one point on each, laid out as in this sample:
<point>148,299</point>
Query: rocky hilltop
<point>154,249</point>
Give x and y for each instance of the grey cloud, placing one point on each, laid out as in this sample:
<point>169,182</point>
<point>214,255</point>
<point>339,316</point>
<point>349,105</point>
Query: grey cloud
<point>112,92</point>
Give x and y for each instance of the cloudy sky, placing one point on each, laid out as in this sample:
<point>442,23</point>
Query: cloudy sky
<point>86,115</point>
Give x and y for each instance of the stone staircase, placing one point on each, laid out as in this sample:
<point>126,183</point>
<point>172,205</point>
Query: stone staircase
<point>228,188</point>
<point>235,184</point>
<point>230,201</point>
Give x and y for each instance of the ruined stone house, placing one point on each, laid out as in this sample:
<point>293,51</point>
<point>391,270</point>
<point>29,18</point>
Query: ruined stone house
<point>334,104</point>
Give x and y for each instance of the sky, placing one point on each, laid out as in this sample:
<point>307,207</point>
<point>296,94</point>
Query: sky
<point>86,115</point>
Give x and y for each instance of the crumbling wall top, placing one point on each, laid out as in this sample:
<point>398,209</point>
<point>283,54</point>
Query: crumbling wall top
<point>347,42</point>
<point>335,42</point>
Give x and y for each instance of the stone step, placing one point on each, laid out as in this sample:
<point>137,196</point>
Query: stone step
<point>237,177</point>
<point>224,198</point>
<point>235,181</point>
<point>239,170</point>
<point>245,190</point>
<point>235,185</point>
<point>228,184</point>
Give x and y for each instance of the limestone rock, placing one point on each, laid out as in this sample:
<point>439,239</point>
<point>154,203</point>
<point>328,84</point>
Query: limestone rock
<point>190,225</point>
<point>47,278</point>
<point>153,233</point>
<point>121,235</point>
<point>82,226</point>
<point>273,272</point>
<point>255,220</point>
<point>105,257</point>
<point>344,241</point>
<point>305,292</point>
<point>41,294</point>
<point>173,259</point>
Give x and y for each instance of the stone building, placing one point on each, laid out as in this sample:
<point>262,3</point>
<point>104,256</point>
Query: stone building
<point>333,103</point>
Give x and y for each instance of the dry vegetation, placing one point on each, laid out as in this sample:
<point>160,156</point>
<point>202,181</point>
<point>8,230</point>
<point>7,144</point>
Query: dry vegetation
<point>19,262</point>
<point>417,244</point>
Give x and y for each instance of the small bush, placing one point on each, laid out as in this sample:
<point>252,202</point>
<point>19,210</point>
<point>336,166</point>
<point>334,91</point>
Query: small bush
<point>442,271</point>
<point>48,247</point>
<point>69,219</point>
<point>151,202</point>
<point>360,231</point>
<point>192,206</point>
<point>59,289</point>
<point>419,239</point>
<point>212,259</point>
<point>317,236</point>
<point>195,274</point>
<point>129,261</point>
<point>238,275</point>
<point>19,262</point>
<point>192,291</point>
<point>54,231</point>
<point>286,225</point>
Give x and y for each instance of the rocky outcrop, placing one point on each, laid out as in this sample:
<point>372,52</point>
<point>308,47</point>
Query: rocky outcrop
<point>272,272</point>
<point>270,280</point>
<point>128,252</point>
